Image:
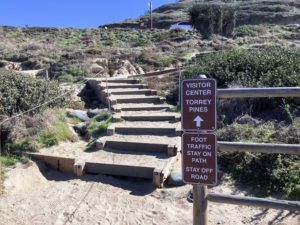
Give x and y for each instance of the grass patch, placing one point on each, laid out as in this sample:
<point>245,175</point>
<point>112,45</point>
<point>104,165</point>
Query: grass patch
<point>100,123</point>
<point>157,61</point>
<point>176,109</point>
<point>55,129</point>
<point>8,160</point>
<point>247,133</point>
<point>250,30</point>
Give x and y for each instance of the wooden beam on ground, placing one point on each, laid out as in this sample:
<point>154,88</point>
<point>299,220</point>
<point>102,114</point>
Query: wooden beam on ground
<point>168,168</point>
<point>119,170</point>
<point>161,174</point>
<point>257,147</point>
<point>62,164</point>
<point>256,202</point>
<point>155,73</point>
<point>281,92</point>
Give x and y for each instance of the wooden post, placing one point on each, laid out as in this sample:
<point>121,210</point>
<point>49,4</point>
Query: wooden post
<point>180,78</point>
<point>200,204</point>
<point>151,16</point>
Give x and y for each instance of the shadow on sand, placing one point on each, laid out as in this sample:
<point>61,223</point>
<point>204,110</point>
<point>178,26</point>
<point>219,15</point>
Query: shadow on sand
<point>137,187</point>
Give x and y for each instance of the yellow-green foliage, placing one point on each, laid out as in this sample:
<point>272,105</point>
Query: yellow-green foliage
<point>248,133</point>
<point>100,123</point>
<point>250,30</point>
<point>8,160</point>
<point>54,130</point>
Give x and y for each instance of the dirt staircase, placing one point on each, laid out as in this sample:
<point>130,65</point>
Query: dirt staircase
<point>143,139</point>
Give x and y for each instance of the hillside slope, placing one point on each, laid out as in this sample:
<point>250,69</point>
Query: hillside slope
<point>249,12</point>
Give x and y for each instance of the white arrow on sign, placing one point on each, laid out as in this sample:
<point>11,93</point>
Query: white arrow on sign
<point>198,121</point>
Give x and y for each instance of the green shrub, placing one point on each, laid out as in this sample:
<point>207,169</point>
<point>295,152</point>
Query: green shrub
<point>269,66</point>
<point>23,144</point>
<point>250,30</point>
<point>213,18</point>
<point>48,139</point>
<point>77,72</point>
<point>100,123</point>
<point>54,129</point>
<point>19,93</point>
<point>268,173</point>
<point>8,160</point>
<point>158,61</point>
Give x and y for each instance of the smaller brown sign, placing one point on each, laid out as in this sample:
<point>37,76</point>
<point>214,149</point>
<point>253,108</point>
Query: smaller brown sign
<point>199,158</point>
<point>198,104</point>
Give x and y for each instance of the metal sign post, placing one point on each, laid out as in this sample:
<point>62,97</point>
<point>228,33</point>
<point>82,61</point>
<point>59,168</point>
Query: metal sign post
<point>199,148</point>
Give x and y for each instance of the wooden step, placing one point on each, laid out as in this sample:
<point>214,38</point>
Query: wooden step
<point>137,147</point>
<point>125,81</point>
<point>137,99</point>
<point>120,85</point>
<point>142,107</point>
<point>141,130</point>
<point>133,92</point>
<point>148,117</point>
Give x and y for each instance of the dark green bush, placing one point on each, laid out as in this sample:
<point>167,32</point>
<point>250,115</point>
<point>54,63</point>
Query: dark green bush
<point>19,93</point>
<point>269,67</point>
<point>268,173</point>
<point>213,18</point>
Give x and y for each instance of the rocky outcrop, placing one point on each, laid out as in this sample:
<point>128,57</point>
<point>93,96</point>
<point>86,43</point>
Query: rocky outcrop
<point>112,67</point>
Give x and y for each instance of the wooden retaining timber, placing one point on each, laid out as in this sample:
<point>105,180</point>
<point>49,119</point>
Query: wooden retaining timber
<point>119,170</point>
<point>257,147</point>
<point>133,92</point>
<point>62,164</point>
<point>141,108</point>
<point>137,146</point>
<point>256,202</point>
<point>155,73</point>
<point>141,130</point>
<point>161,174</point>
<point>281,92</point>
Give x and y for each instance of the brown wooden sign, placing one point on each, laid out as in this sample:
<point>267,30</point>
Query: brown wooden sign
<point>198,104</point>
<point>199,158</point>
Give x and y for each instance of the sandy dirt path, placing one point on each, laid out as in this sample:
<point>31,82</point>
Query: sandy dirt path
<point>37,195</point>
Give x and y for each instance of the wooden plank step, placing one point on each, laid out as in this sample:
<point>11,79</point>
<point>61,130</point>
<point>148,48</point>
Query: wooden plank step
<point>133,92</point>
<point>147,117</point>
<point>104,86</point>
<point>142,130</point>
<point>136,146</point>
<point>141,107</point>
<point>138,99</point>
<point>125,81</point>
<point>120,170</point>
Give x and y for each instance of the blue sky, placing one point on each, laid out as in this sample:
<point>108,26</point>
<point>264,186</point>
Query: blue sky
<point>71,13</point>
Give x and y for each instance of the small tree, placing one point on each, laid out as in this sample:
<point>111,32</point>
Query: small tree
<point>213,18</point>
